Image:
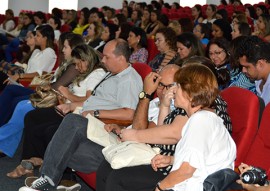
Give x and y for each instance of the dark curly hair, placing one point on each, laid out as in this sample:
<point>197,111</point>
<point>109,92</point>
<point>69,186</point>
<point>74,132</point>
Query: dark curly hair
<point>170,37</point>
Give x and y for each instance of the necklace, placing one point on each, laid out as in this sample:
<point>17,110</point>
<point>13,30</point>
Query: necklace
<point>199,109</point>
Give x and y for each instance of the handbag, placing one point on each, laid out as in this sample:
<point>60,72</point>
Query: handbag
<point>97,133</point>
<point>44,97</point>
<point>41,80</point>
<point>129,153</point>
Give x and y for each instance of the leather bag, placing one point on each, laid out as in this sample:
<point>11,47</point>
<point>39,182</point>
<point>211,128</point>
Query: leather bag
<point>44,97</point>
<point>44,79</point>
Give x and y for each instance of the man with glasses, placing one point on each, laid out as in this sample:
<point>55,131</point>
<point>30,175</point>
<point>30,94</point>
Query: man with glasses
<point>147,112</point>
<point>254,57</point>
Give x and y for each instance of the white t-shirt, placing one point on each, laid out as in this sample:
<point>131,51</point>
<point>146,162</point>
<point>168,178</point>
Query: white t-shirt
<point>153,110</point>
<point>41,61</point>
<point>89,83</point>
<point>10,25</point>
<point>207,146</point>
<point>57,34</point>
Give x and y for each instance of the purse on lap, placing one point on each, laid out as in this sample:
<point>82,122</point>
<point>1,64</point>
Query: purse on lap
<point>129,153</point>
<point>97,133</point>
<point>44,97</point>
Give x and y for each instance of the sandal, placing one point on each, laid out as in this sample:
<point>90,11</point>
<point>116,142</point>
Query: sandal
<point>31,163</point>
<point>19,171</point>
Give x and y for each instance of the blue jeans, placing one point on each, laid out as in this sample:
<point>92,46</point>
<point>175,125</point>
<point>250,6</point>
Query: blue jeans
<point>70,147</point>
<point>11,133</point>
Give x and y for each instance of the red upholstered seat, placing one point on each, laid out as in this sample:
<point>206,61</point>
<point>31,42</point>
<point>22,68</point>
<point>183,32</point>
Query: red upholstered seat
<point>259,152</point>
<point>142,69</point>
<point>152,49</point>
<point>244,109</point>
<point>90,178</point>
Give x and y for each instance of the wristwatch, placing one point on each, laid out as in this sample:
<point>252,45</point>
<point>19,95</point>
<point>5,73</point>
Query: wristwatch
<point>96,113</point>
<point>144,95</point>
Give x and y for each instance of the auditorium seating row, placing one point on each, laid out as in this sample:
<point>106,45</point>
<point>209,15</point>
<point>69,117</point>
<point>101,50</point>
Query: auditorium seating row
<point>251,129</point>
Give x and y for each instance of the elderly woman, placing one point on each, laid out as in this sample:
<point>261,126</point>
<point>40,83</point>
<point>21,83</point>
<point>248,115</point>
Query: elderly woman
<point>165,41</point>
<point>195,156</point>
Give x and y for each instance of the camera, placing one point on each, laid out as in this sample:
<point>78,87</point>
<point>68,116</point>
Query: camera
<point>254,176</point>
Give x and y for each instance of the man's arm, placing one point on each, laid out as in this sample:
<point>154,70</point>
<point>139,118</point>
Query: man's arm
<point>140,120</point>
<point>118,114</point>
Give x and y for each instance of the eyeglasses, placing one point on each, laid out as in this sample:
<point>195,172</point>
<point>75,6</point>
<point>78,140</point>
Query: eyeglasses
<point>216,53</point>
<point>161,85</point>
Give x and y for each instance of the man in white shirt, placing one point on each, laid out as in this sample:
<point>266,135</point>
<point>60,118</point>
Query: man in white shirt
<point>254,56</point>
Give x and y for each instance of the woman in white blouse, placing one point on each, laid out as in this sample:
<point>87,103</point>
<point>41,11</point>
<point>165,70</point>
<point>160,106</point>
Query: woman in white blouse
<point>205,145</point>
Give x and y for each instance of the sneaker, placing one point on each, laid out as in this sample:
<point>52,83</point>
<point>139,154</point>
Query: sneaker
<point>40,184</point>
<point>75,187</point>
<point>65,185</point>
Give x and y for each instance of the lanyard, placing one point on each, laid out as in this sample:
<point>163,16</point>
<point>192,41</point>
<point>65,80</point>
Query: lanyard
<point>106,77</point>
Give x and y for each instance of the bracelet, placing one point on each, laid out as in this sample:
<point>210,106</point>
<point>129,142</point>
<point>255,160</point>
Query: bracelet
<point>158,187</point>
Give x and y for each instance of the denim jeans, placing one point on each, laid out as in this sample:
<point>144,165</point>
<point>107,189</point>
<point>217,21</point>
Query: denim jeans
<point>70,147</point>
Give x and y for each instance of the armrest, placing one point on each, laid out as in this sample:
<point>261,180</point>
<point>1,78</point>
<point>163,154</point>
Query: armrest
<point>124,123</point>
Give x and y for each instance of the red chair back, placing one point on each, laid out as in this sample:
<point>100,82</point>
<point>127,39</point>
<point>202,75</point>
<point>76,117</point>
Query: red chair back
<point>244,109</point>
<point>259,153</point>
<point>152,49</point>
<point>142,69</point>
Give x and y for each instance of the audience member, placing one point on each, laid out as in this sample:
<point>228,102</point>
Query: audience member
<point>165,41</point>
<point>203,33</point>
<point>188,45</point>
<point>41,60</point>
<point>8,24</point>
<point>81,153</point>
<point>254,57</point>
<point>13,44</point>
<point>210,14</point>
<point>137,41</point>
<point>240,29</point>
<point>222,28</point>
<point>218,51</point>
<point>197,14</point>
<point>239,79</point>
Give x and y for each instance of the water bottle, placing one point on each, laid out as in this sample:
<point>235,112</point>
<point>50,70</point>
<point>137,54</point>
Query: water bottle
<point>172,107</point>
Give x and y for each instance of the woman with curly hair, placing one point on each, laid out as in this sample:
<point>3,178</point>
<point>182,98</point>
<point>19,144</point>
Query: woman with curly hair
<point>165,41</point>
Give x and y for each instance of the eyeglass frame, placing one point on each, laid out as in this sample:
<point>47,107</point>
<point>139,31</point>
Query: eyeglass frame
<point>161,85</point>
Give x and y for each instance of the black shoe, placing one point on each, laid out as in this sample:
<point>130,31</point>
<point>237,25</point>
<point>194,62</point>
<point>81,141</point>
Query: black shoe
<point>40,184</point>
<point>2,155</point>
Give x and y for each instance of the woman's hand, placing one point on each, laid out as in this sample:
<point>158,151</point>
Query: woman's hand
<point>160,161</point>
<point>128,134</point>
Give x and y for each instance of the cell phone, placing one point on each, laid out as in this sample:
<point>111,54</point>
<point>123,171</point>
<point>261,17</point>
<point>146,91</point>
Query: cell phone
<point>59,111</point>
